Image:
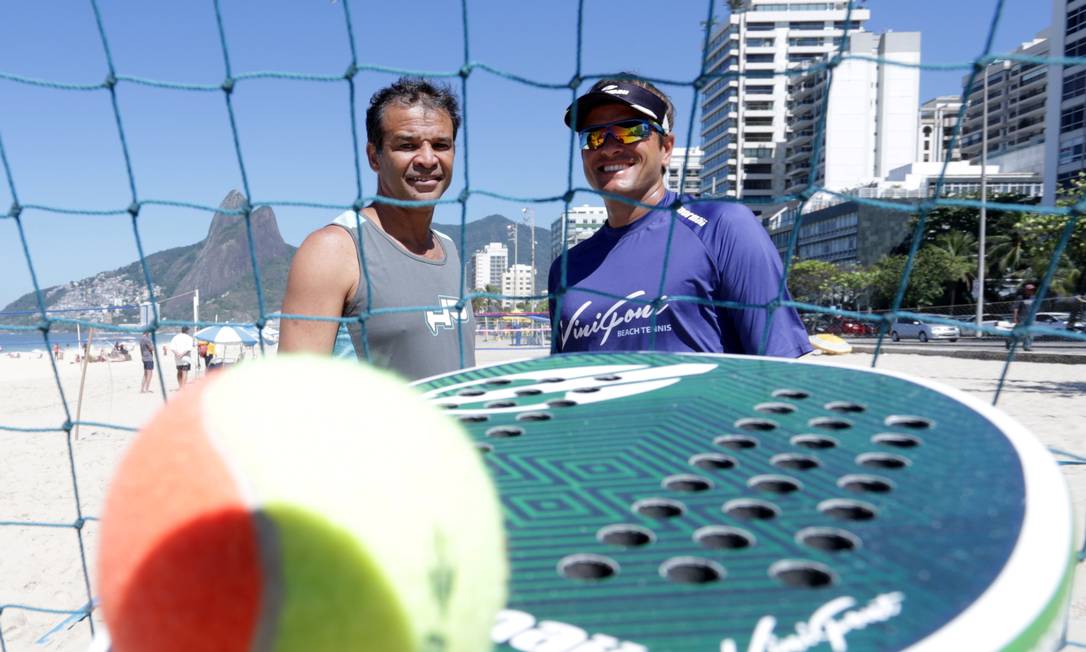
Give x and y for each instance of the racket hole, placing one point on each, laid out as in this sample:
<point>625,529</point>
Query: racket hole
<point>471,392</point>
<point>448,406</point>
<point>844,406</point>
<point>759,425</point>
<point>688,483</point>
<point>561,403</point>
<point>828,539</point>
<point>712,461</point>
<point>499,381</point>
<point>776,484</point>
<point>473,418</point>
<point>775,408</point>
<point>751,509</point>
<point>530,391</point>
<point>691,570</point>
<point>627,536</point>
<point>847,510</point>
<point>658,508</point>
<point>553,380</point>
<point>718,537</point>
<point>816,442</point>
<point>500,404</point>
<point>586,390</point>
<point>794,462</point>
<point>484,448</point>
<point>830,423</point>
<point>736,442</point>
<point>587,567</point>
<point>896,440</point>
<point>882,461</point>
<point>608,378</point>
<point>533,416</point>
<point>866,483</point>
<point>908,421</point>
<point>797,394</point>
<point>504,432</point>
<point>798,574</point>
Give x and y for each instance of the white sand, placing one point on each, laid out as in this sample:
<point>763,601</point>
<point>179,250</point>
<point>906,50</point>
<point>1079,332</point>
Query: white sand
<point>42,567</point>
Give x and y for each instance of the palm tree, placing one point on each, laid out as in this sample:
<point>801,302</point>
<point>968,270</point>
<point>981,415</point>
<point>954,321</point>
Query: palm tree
<point>961,246</point>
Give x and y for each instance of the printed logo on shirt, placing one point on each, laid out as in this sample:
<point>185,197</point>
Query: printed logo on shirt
<point>692,216</point>
<point>635,320</point>
<point>447,316</point>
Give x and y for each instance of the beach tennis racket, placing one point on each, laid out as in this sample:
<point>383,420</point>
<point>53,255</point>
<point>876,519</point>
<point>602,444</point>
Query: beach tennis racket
<point>730,503</point>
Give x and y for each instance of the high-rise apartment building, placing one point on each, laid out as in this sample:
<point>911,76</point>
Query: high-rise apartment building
<point>938,117</point>
<point>581,222</point>
<point>870,122</point>
<point>691,157</point>
<point>1065,119</point>
<point>488,265</point>
<point>744,118</point>
<point>1016,112</point>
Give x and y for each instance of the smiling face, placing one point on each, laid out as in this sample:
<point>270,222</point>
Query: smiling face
<point>415,161</point>
<point>634,171</point>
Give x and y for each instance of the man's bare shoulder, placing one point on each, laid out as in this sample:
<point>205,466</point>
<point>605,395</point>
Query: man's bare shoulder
<point>326,256</point>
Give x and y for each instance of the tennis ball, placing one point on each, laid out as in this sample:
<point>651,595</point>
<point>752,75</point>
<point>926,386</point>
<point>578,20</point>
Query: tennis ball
<point>301,503</point>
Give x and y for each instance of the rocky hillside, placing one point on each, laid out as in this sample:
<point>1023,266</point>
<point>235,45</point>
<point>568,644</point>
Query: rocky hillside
<point>219,266</point>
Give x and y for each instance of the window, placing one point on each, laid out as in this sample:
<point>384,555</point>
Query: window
<point>758,184</point>
<point>807,26</point>
<point>852,25</point>
<point>758,168</point>
<point>759,58</point>
<point>760,27</point>
<point>1074,84</point>
<point>1076,18</point>
<point>1072,119</point>
<point>1076,48</point>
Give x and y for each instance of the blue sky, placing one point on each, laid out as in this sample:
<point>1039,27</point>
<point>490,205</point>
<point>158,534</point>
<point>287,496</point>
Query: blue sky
<point>64,151</point>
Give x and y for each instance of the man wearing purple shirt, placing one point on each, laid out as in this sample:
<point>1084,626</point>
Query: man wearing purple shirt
<point>718,252</point>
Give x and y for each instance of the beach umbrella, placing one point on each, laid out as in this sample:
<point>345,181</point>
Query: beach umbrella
<point>227,334</point>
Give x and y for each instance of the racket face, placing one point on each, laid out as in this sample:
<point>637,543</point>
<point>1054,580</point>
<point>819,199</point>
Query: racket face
<point>695,502</point>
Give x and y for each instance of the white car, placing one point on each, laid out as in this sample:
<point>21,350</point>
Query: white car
<point>923,331</point>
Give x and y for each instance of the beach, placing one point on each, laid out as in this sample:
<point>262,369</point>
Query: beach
<point>42,566</point>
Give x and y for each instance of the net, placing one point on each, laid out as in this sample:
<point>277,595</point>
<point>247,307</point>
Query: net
<point>1062,220</point>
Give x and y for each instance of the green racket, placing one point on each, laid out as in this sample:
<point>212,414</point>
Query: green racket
<point>693,502</point>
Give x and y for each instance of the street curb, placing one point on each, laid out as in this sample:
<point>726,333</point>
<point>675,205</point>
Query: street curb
<point>973,354</point>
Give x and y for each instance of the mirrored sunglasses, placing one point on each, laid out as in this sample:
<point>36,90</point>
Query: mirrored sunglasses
<point>626,132</point>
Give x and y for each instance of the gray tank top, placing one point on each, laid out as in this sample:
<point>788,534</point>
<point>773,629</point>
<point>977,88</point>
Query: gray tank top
<point>415,343</point>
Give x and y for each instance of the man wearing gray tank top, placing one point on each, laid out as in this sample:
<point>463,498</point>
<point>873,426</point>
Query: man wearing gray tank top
<point>385,260</point>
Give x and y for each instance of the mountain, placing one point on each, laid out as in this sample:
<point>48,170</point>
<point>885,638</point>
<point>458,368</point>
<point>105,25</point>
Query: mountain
<point>219,266</point>
<point>495,228</point>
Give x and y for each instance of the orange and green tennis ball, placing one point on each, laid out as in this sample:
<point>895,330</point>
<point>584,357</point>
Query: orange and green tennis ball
<point>301,503</point>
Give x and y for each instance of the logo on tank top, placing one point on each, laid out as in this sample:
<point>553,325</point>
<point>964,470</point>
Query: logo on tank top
<point>446,317</point>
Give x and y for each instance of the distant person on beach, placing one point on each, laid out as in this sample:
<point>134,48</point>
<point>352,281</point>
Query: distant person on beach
<point>147,353</point>
<point>202,354</point>
<point>411,132</point>
<point>182,345</point>
<point>1021,312</point>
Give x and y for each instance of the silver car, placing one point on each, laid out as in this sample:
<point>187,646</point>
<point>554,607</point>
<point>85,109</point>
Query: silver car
<point>909,327</point>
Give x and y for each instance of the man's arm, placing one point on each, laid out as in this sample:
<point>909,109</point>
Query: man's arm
<point>323,277</point>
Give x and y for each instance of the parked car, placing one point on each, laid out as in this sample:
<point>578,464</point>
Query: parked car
<point>1055,320</point>
<point>923,331</point>
<point>999,322</point>
<point>848,326</point>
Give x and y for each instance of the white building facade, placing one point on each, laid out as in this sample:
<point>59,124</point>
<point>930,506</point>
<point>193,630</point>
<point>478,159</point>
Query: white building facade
<point>580,223</point>
<point>938,117</point>
<point>1016,99</point>
<point>517,281</point>
<point>871,122</point>
<point>1065,108</point>
<point>688,160</point>
<point>488,265</point>
<point>744,130</point>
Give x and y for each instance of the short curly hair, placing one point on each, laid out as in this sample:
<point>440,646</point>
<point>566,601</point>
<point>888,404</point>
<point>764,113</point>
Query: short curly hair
<point>408,91</point>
